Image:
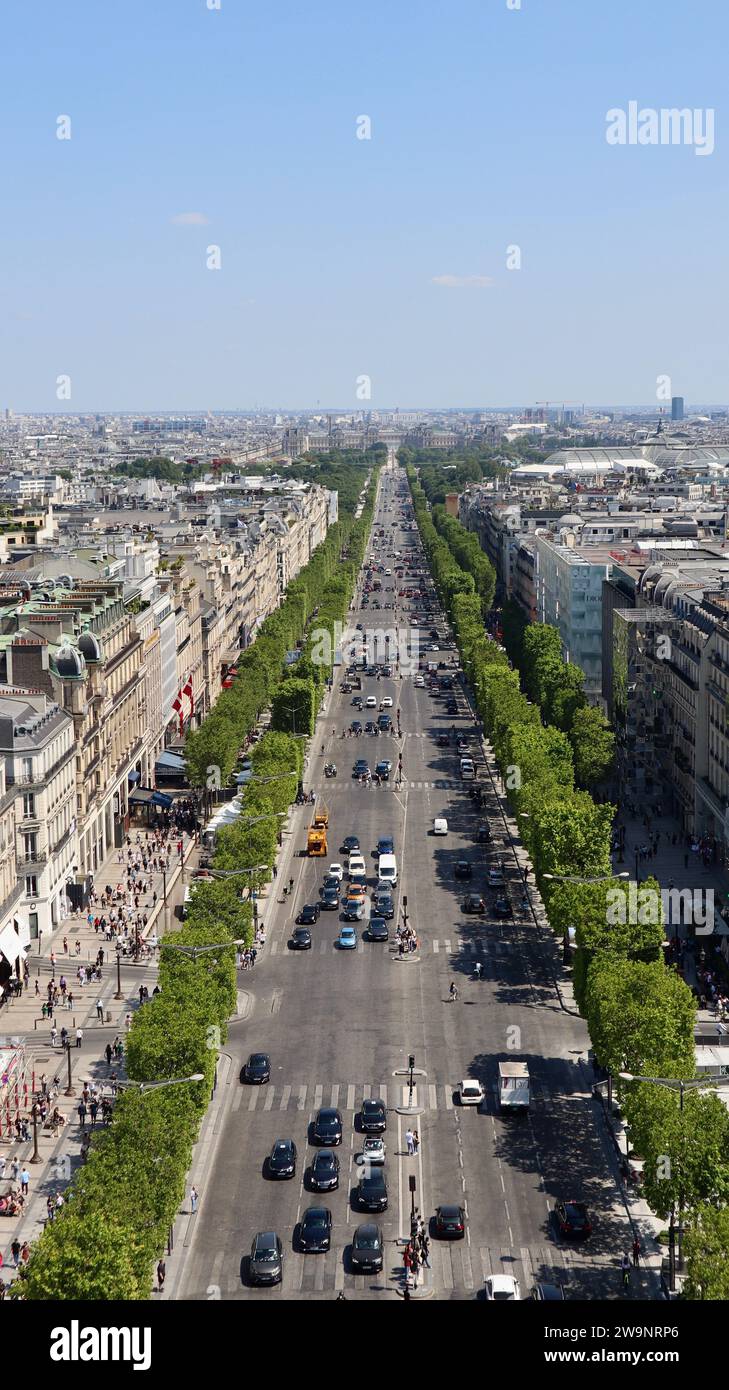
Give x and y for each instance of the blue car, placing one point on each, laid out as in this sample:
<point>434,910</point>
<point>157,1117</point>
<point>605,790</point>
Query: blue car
<point>347,939</point>
<point>385,845</point>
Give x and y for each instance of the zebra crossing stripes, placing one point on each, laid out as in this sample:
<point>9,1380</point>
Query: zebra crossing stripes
<point>348,1096</point>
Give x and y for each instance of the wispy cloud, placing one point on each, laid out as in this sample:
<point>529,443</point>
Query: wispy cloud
<point>190,219</point>
<point>463,282</point>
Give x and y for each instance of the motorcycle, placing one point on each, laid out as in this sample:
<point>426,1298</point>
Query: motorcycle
<point>330,770</point>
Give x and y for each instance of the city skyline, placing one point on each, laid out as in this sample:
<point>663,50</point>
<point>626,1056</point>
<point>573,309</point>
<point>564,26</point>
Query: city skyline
<point>371,234</point>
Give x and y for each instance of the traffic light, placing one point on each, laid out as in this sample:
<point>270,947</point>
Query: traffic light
<point>405,899</point>
<point>411,1063</point>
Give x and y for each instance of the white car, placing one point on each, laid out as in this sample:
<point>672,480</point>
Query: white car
<point>496,878</point>
<point>434,647</point>
<point>502,1288</point>
<point>440,826</point>
<point>371,702</point>
<point>470,1093</point>
<point>356,865</point>
<point>373,1150</point>
<point>420,681</point>
<point>336,871</point>
<point>386,702</point>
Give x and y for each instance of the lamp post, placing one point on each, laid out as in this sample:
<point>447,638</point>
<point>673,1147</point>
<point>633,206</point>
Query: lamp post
<point>194,951</point>
<point>675,1084</point>
<point>118,994</point>
<point>35,1156</point>
<point>69,1091</point>
<point>143,1086</point>
<point>575,878</point>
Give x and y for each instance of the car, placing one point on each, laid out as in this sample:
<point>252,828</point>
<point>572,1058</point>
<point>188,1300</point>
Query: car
<point>357,702</point>
<point>257,1069</point>
<point>387,670</point>
<point>440,826</point>
<point>366,1255</point>
<point>434,647</point>
<point>315,1230</point>
<point>330,900</point>
<point>327,1127</point>
<point>357,886</point>
<point>450,1222</point>
<point>331,881</point>
<point>359,627</point>
<point>473,903</point>
<point>372,1192</point>
<point>386,702</point>
<point>266,1263</point>
<point>451,707</point>
<point>384,723</point>
<point>462,869</point>
<point>443,741</point>
<point>548,1293</point>
<point>324,1172</point>
<point>373,1117</point>
<point>483,834</point>
<point>495,878</point>
<point>383,769</point>
<point>502,908</point>
<point>383,905</point>
<point>377,929</point>
<point>573,1218</point>
<point>462,744</point>
<point>282,1159</point>
<point>374,1150</point>
<point>309,915</point>
<point>301,939</point>
<point>361,768</point>
<point>419,682</point>
<point>385,845</point>
<point>371,702</point>
<point>371,728</point>
<point>356,726</point>
<point>434,633</point>
<point>336,871</point>
<point>352,911</point>
<point>471,1092</point>
<point>356,863</point>
<point>502,1288</point>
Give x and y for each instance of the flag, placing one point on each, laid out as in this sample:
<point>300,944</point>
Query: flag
<point>187,690</point>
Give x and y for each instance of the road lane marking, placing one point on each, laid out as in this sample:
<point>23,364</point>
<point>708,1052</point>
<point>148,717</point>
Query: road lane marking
<point>268,1103</point>
<point>334,1102</point>
<point>448,1097</point>
<point>447,945</point>
<point>318,1092</point>
<point>301,1101</point>
<point>350,1098</point>
<point>285,1097</point>
<point>433,1097</point>
<point>447,1267</point>
<point>436,947</point>
<point>238,1098</point>
<point>253,1102</point>
<point>383,1095</point>
<point>339,1275</point>
<point>367,1092</point>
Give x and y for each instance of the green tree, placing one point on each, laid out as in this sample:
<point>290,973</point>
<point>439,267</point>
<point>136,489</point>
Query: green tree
<point>707,1254</point>
<point>593,744</point>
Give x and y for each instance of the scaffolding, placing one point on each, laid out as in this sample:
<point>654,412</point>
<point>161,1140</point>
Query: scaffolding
<point>15,1096</point>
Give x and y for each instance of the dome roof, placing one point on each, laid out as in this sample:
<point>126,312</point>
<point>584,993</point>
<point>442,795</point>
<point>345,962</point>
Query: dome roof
<point>69,662</point>
<point>571,519</point>
<point>89,645</point>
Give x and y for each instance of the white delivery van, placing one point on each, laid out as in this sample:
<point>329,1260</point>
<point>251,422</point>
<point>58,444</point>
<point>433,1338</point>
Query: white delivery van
<point>387,868</point>
<point>468,771</point>
<point>513,1086</point>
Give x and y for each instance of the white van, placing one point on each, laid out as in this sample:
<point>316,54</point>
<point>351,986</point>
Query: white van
<point>387,868</point>
<point>356,865</point>
<point>468,771</point>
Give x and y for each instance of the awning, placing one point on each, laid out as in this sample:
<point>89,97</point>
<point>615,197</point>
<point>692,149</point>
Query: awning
<point>11,945</point>
<point>171,760</point>
<point>134,775</point>
<point>145,796</point>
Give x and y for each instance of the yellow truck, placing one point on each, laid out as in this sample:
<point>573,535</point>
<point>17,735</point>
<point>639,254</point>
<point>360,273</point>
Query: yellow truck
<point>321,816</point>
<point>317,840</point>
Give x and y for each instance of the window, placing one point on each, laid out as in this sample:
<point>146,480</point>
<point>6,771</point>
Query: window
<point>31,886</point>
<point>29,804</point>
<point>33,925</point>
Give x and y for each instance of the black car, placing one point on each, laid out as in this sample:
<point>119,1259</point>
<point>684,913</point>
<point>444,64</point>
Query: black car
<point>366,1253</point>
<point>502,908</point>
<point>328,1127</point>
<point>301,939</point>
<point>373,1117</point>
<point>257,1069</point>
<point>473,903</point>
<point>377,929</point>
<point>383,770</point>
<point>329,900</point>
<point>462,869</point>
<point>309,915</point>
<point>573,1219</point>
<point>361,768</point>
<point>349,845</point>
<point>357,702</point>
<point>483,834</point>
<point>356,726</point>
<point>282,1159</point>
<point>548,1293</point>
<point>331,881</point>
<point>450,1222</point>
<point>451,707</point>
<point>371,728</point>
<point>383,905</point>
<point>315,1231</point>
<point>384,722</point>
<point>443,741</point>
<point>434,632</point>
<point>266,1265</point>
<point>372,1191</point>
<point>324,1174</point>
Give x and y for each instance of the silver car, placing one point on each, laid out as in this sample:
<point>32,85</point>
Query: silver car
<point>266,1266</point>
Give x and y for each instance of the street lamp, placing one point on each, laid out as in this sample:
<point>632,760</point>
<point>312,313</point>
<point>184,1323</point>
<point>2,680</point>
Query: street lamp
<point>574,878</point>
<point>118,994</point>
<point>195,951</point>
<point>675,1084</point>
<point>143,1086</point>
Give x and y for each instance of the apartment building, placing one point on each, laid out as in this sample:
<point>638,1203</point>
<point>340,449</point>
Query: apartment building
<point>568,585</point>
<point>37,749</point>
<point>14,925</point>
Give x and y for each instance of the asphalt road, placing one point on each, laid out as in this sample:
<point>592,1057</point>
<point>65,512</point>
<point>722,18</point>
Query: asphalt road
<point>340,1025</point>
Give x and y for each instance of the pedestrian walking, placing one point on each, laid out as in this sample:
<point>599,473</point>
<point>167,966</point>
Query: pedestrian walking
<point>636,1252</point>
<point>24,1182</point>
<point>425,1250</point>
<point>193,1199</point>
<point>161,1273</point>
<point>410,1141</point>
<point>415,1267</point>
<point>100,1010</point>
<point>81,1112</point>
<point>14,1169</point>
<point>108,1054</point>
<point>24,1252</point>
<point>79,1036</point>
<point>416,1142</point>
<point>15,1252</point>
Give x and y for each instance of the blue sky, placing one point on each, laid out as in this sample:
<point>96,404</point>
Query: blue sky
<point>488,130</point>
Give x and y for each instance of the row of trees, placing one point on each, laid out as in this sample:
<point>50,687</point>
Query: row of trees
<point>123,1202</point>
<point>640,1014</point>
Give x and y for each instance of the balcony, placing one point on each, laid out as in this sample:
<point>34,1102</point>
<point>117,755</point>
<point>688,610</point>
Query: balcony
<point>36,859</point>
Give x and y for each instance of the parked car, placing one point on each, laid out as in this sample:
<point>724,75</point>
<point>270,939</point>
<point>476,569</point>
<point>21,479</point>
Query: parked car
<point>548,1293</point>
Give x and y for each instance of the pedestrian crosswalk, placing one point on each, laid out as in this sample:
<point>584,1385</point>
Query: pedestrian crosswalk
<point>348,1096</point>
<point>477,947</point>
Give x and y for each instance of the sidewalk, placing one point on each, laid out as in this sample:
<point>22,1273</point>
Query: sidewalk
<point>59,1154</point>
